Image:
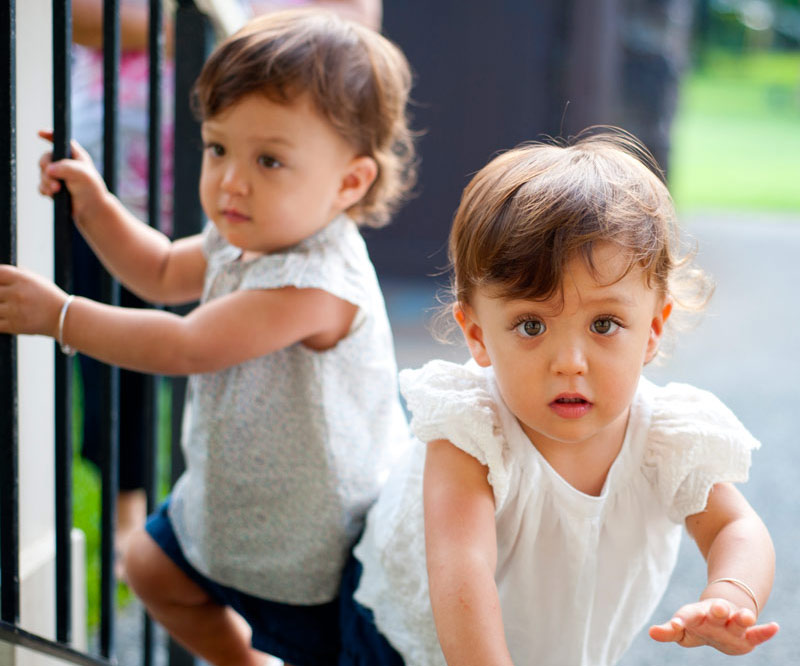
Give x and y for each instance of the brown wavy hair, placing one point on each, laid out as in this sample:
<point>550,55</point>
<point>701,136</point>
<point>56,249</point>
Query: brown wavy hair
<point>531,209</point>
<point>358,80</point>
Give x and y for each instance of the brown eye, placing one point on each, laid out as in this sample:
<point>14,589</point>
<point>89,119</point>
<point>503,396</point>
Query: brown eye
<point>530,328</point>
<point>268,162</point>
<point>216,149</point>
<point>604,326</point>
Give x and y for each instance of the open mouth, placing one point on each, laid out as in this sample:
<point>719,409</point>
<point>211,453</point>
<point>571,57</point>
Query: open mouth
<point>571,406</point>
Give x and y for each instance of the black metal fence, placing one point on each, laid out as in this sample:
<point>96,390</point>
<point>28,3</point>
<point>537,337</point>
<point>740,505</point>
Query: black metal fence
<point>192,42</point>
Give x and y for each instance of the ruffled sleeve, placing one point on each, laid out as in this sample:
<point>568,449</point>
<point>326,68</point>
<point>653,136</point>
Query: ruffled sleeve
<point>454,402</point>
<point>329,260</point>
<point>694,442</point>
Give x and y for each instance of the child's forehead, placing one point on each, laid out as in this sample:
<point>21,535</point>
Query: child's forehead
<point>607,274</point>
<point>261,111</point>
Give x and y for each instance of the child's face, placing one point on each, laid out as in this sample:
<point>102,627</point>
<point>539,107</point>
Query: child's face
<point>274,174</point>
<point>569,373</point>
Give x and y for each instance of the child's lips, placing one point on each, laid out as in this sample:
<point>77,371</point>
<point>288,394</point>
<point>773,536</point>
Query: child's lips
<point>571,405</point>
<point>232,215</point>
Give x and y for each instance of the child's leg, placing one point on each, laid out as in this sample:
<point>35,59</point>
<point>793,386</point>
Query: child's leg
<point>213,632</point>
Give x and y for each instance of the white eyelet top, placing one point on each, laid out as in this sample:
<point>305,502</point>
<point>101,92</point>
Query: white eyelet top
<point>577,575</point>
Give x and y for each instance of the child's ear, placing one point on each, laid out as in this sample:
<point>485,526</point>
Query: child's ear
<point>359,176</point>
<point>657,328</point>
<point>473,334</point>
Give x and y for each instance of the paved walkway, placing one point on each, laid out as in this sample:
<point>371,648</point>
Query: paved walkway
<point>745,349</point>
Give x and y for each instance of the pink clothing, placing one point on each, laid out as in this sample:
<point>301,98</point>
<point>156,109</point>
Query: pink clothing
<point>87,124</point>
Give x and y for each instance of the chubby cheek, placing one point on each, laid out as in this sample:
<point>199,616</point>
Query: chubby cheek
<point>206,191</point>
<point>518,386</point>
<point>620,383</point>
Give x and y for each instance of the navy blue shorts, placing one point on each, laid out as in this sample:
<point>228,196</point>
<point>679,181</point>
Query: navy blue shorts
<point>300,635</point>
<point>362,643</point>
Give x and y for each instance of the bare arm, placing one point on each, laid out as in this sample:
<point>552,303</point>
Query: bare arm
<point>221,333</point>
<point>735,544</point>
<point>461,547</point>
<point>140,257</point>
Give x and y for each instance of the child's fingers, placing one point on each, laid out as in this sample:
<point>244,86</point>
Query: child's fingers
<point>66,170</point>
<point>77,151</point>
<point>7,274</point>
<point>719,614</point>
<point>744,617</point>
<point>761,633</point>
<point>47,186</point>
<point>692,615</point>
<point>668,632</point>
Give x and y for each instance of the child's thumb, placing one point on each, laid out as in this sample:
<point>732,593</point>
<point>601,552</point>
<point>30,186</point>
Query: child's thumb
<point>65,170</point>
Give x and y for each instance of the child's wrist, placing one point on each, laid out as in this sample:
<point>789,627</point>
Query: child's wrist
<point>733,590</point>
<point>102,208</point>
<point>59,335</point>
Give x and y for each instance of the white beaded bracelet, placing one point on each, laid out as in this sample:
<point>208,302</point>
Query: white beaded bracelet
<point>742,586</point>
<point>65,349</point>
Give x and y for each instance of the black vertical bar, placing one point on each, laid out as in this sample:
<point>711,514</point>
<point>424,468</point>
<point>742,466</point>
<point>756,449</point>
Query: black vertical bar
<point>62,236</point>
<point>193,42</point>
<point>9,487</point>
<point>156,59</point>
<point>110,410</point>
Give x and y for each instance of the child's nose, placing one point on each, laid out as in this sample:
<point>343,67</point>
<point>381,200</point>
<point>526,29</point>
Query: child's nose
<point>234,180</point>
<point>569,359</point>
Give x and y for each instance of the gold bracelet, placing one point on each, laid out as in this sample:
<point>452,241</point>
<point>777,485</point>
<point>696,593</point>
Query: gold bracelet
<point>742,586</point>
<point>65,349</point>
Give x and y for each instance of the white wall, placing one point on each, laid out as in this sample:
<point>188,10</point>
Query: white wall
<point>36,399</point>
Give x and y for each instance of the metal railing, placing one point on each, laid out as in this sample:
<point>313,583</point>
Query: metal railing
<point>192,42</point>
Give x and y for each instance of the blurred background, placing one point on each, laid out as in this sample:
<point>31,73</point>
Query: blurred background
<point>712,87</point>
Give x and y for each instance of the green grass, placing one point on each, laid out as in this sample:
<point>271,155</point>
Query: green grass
<point>736,137</point>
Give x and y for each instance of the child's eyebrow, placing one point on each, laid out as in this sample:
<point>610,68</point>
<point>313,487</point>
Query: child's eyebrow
<point>252,138</point>
<point>609,299</point>
<point>555,306</point>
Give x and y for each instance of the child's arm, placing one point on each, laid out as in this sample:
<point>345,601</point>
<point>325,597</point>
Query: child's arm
<point>140,257</point>
<point>736,545</point>
<point>221,333</point>
<point>461,547</point>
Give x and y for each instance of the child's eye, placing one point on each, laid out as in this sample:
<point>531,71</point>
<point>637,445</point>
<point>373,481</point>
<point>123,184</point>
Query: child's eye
<point>216,149</point>
<point>268,162</point>
<point>530,328</point>
<point>604,326</point>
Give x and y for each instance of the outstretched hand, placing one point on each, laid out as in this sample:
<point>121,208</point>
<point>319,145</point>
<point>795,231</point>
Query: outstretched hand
<point>28,302</point>
<point>717,623</point>
<point>85,184</point>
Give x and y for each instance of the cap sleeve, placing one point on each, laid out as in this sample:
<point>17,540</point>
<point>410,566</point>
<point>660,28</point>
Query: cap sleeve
<point>694,442</point>
<point>333,260</point>
<point>453,402</point>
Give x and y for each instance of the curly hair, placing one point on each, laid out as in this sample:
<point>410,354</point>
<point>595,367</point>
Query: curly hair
<point>531,209</point>
<point>358,80</point>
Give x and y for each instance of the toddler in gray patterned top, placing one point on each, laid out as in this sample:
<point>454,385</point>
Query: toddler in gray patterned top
<point>292,416</point>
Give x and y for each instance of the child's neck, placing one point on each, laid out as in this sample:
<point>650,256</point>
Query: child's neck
<point>585,465</point>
